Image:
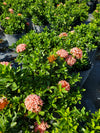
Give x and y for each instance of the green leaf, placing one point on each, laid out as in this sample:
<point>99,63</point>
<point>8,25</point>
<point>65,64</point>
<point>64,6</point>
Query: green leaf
<point>14,86</point>
<point>92,131</point>
<point>41,113</point>
<point>31,114</point>
<point>13,124</point>
<point>37,119</point>
<point>97,127</point>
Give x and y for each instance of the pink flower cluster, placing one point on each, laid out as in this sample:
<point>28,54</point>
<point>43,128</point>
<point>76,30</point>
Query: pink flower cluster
<point>64,84</point>
<point>41,128</point>
<point>3,103</point>
<point>63,34</point>
<point>70,60</point>
<point>62,53</point>
<point>7,18</point>
<point>76,52</point>
<point>33,103</point>
<point>11,10</point>
<point>4,63</point>
<point>20,48</point>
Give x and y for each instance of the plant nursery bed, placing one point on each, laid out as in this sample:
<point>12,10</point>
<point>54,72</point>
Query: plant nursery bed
<point>49,82</point>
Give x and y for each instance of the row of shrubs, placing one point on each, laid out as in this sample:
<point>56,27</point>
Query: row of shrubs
<point>41,94</point>
<point>58,16</point>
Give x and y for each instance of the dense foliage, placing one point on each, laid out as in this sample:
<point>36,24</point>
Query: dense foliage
<point>41,94</point>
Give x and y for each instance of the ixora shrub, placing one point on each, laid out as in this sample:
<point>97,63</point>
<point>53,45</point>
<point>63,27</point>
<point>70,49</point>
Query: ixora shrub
<point>77,121</point>
<point>93,124</point>
<point>67,15</point>
<point>96,13</point>
<point>45,44</point>
<point>59,17</point>
<point>83,36</point>
<point>71,1</point>
<point>40,9</point>
<point>1,7</point>
<point>29,106</point>
<point>13,23</point>
<point>18,6</point>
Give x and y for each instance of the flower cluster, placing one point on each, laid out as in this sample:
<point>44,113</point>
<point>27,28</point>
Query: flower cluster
<point>7,18</point>
<point>70,60</point>
<point>4,63</point>
<point>4,3</point>
<point>11,10</point>
<point>62,53</point>
<point>19,14</point>
<point>3,103</point>
<point>20,48</point>
<point>63,34</point>
<point>33,103</point>
<point>76,52</point>
<point>64,84</point>
<point>51,58</point>
<point>40,128</point>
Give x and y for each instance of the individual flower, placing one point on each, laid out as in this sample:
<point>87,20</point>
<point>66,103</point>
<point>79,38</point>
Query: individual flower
<point>20,48</point>
<point>40,128</point>
<point>33,103</point>
<point>51,58</point>
<point>11,10</point>
<point>76,52</point>
<point>7,18</point>
<point>19,14</point>
<point>4,63</point>
<point>4,3</point>
<point>62,53</point>
<point>70,60</point>
<point>63,34</point>
<point>3,103</point>
<point>64,84</point>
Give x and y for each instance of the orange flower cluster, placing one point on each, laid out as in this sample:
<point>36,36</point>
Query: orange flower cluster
<point>51,58</point>
<point>3,103</point>
<point>4,3</point>
<point>63,34</point>
<point>19,14</point>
